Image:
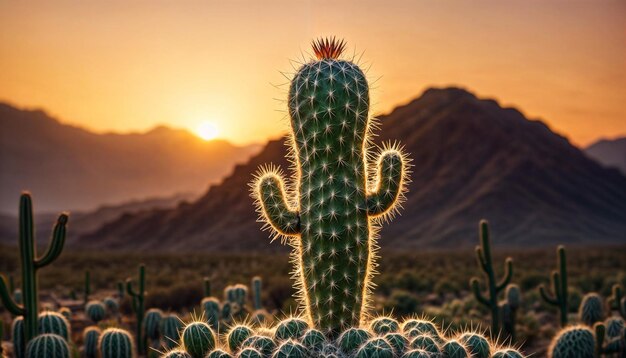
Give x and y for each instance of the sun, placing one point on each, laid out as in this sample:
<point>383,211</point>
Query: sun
<point>207,130</point>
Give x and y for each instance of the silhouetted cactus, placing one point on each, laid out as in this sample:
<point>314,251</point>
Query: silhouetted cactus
<point>559,286</point>
<point>48,346</point>
<point>30,265</point>
<point>591,309</point>
<point>116,343</point>
<point>207,286</point>
<point>120,290</point>
<point>138,305</point>
<point>91,335</point>
<point>339,192</point>
<point>198,339</point>
<point>95,311</point>
<point>509,307</point>
<point>483,256</point>
<point>55,323</point>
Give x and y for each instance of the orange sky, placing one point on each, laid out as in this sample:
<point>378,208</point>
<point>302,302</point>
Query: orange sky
<point>129,65</point>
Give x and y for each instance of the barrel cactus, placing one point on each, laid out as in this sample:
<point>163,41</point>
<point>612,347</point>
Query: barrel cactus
<point>573,342</point>
<point>291,349</point>
<point>171,327</point>
<point>176,353</point>
<point>198,339</point>
<point>95,311</point>
<point>237,335</point>
<point>91,335</point>
<point>152,322</point>
<point>507,353</point>
<point>332,209</point>
<point>212,311</point>
<point>48,345</point>
<point>17,337</point>
<point>377,347</point>
<point>476,344</point>
<point>55,323</point>
<point>116,343</point>
<point>290,328</point>
<point>591,309</point>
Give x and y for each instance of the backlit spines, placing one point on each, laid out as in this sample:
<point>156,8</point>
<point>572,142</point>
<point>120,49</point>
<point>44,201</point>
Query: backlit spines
<point>331,210</point>
<point>559,286</point>
<point>198,339</point>
<point>30,265</point>
<point>171,326</point>
<point>573,342</point>
<point>483,256</point>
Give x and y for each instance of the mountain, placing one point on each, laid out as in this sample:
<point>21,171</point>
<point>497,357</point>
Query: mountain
<point>67,167</point>
<point>472,159</point>
<point>611,153</point>
<point>83,222</point>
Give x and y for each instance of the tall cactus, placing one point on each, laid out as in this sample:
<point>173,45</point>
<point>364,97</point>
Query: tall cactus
<point>87,289</point>
<point>559,286</point>
<point>207,286</point>
<point>139,307</point>
<point>30,265</point>
<point>257,282</point>
<point>332,210</point>
<point>483,256</point>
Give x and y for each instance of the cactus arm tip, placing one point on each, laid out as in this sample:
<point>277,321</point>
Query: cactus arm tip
<point>56,242</point>
<point>7,300</point>
<point>508,274</point>
<point>390,183</point>
<point>480,257</point>
<point>271,200</point>
<point>546,296</point>
<point>129,288</point>
<point>477,293</point>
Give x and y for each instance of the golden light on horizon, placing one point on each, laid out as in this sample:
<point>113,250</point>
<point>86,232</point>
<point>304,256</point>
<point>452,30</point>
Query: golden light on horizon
<point>207,130</point>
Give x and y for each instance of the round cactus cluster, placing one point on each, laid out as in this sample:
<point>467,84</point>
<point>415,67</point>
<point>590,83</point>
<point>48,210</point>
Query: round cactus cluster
<point>95,311</point>
<point>295,337</point>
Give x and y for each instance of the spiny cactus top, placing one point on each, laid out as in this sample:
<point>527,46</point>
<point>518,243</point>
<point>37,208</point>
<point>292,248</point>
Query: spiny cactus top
<point>327,210</point>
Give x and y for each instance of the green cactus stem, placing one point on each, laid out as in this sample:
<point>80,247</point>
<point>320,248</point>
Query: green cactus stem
<point>48,346</point>
<point>17,336</point>
<point>207,286</point>
<point>30,265</point>
<point>483,256</point>
<point>171,326</point>
<point>332,209</point>
<point>591,309</point>
<point>138,305</point>
<point>617,301</point>
<point>559,286</point>
<point>87,289</point>
<point>116,343</point>
<point>508,308</point>
<point>257,282</point>
<point>91,335</point>
<point>121,290</point>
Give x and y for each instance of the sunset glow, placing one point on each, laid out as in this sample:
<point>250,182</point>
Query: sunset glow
<point>127,66</point>
<point>207,130</point>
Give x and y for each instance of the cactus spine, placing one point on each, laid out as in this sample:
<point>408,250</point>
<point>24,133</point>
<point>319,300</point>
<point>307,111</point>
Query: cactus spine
<point>333,209</point>
<point>559,286</point>
<point>30,265</point>
<point>483,256</point>
<point>139,307</point>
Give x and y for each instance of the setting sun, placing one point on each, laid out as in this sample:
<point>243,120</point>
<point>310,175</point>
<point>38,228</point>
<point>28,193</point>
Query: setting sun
<point>207,130</point>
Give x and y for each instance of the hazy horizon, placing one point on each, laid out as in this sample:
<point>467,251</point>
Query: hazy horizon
<point>128,67</point>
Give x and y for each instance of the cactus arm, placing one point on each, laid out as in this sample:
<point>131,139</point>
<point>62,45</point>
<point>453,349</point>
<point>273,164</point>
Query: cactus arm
<point>56,243</point>
<point>389,183</point>
<point>480,257</point>
<point>477,293</point>
<point>546,296</point>
<point>7,300</point>
<point>508,274</point>
<point>272,197</point>
<point>207,287</point>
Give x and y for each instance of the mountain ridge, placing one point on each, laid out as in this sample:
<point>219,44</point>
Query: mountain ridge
<point>472,159</point>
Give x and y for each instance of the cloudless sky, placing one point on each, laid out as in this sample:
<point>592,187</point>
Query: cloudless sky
<point>130,65</point>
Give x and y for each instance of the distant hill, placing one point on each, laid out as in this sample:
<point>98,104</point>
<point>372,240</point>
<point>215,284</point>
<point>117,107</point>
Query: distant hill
<point>472,159</point>
<point>83,222</point>
<point>69,168</point>
<point>611,153</point>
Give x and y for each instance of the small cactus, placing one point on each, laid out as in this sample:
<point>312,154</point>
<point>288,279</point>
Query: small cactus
<point>384,325</point>
<point>55,323</point>
<point>291,349</point>
<point>218,353</point>
<point>87,289</point>
<point>198,339</point>
<point>313,339</point>
<point>617,301</point>
<point>250,352</point>
<point>152,322</point>
<point>377,347</point>
<point>48,346</point>
<point>95,311</point>
<point>30,265</point>
<point>112,305</point>
<point>483,256</point>
<point>257,282</point>
<point>91,335</point>
<point>454,349</point>
<point>507,353</point>
<point>207,286</point>
<point>559,286</point>
<point>212,312</point>
<point>425,342</point>
<point>17,336</point>
<point>291,328</point>
<point>573,342</point>
<point>350,340</point>
<point>477,345</point>
<point>591,309</point>
<point>398,342</point>
<point>171,327</point>
<point>116,343</point>
<point>263,344</point>
<point>237,335</point>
